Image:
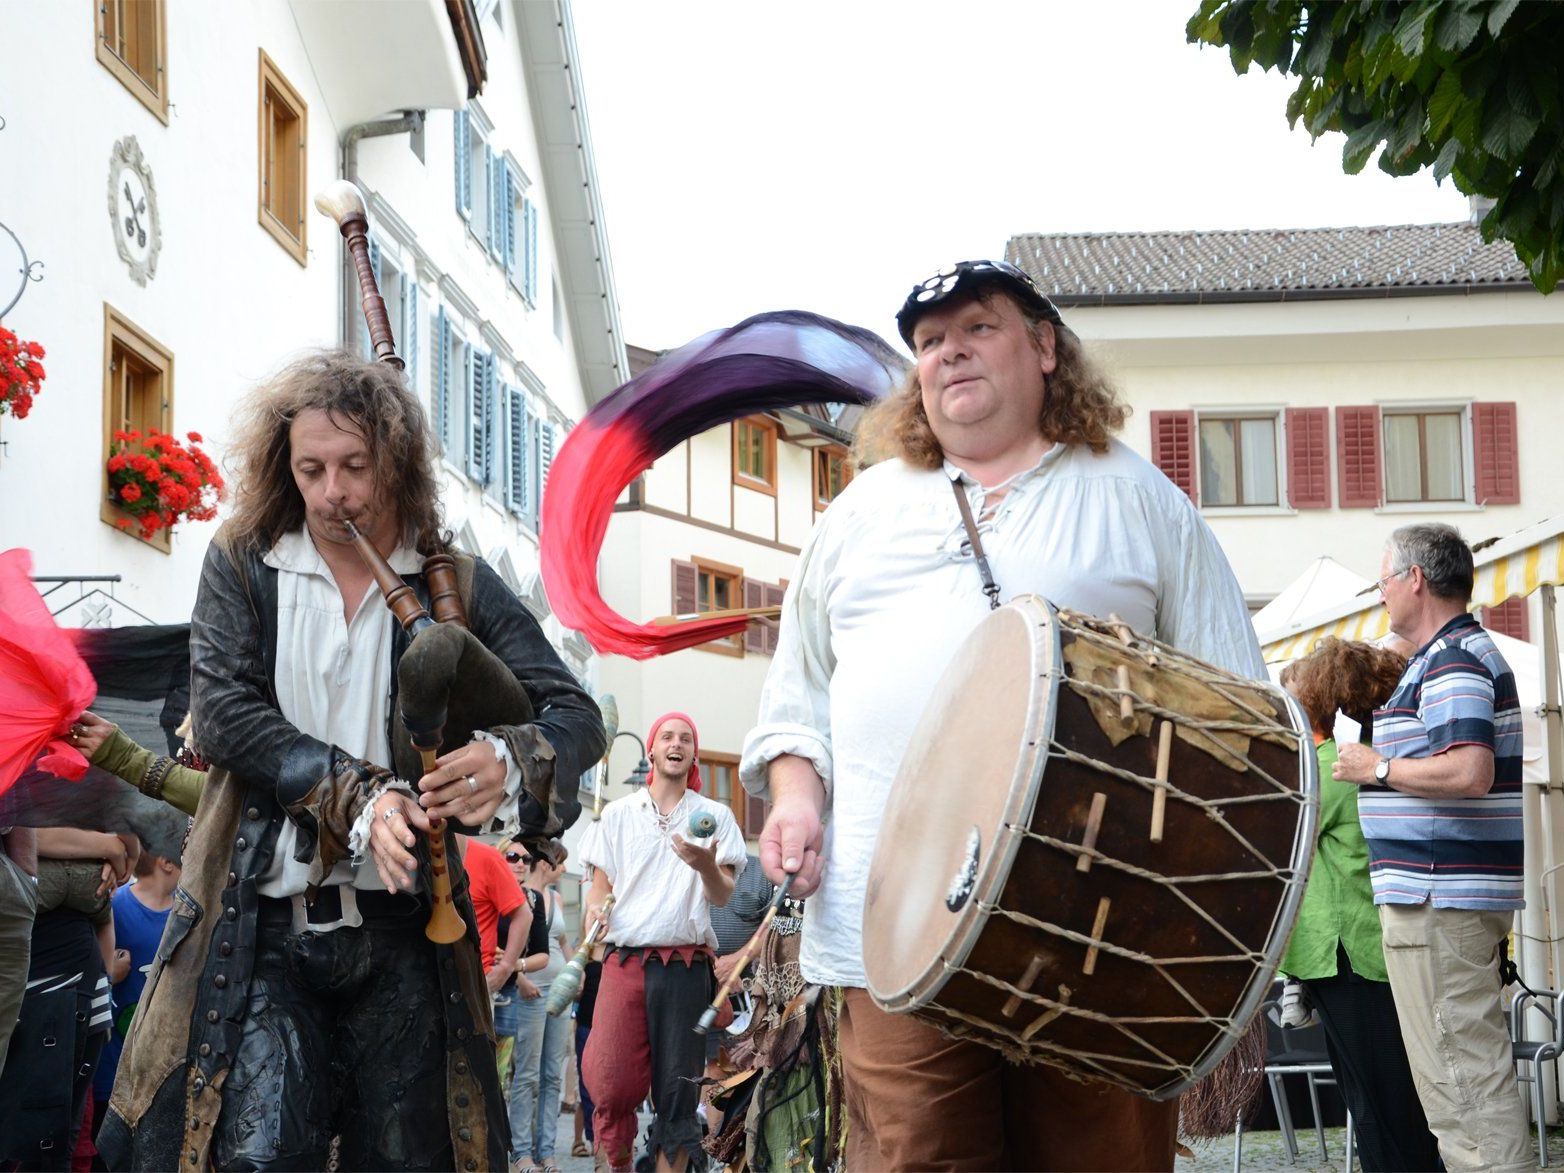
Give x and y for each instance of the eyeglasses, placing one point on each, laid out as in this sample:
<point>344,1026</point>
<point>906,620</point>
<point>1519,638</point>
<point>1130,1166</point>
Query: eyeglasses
<point>514,857</point>
<point>1379,583</point>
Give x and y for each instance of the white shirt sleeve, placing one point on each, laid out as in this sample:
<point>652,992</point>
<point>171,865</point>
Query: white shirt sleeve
<point>1201,608</point>
<point>596,849</point>
<point>795,704</point>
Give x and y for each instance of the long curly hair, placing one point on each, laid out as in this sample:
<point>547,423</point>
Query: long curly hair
<point>369,396</point>
<point>1344,675</point>
<point>1081,406</point>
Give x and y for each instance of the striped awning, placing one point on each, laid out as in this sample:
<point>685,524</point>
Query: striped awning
<point>1513,567</point>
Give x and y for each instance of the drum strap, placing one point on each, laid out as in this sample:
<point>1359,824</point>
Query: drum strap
<point>990,587</point>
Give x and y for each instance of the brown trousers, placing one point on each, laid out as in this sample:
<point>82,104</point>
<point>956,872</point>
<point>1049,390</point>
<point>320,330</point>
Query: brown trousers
<point>919,1100</point>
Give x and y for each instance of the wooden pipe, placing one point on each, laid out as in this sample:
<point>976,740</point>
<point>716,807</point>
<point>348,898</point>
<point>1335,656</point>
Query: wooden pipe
<point>445,924</point>
<point>344,203</point>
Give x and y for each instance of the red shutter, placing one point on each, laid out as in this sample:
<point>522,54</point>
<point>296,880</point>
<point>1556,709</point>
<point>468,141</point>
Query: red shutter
<point>774,595</point>
<point>755,810</point>
<point>685,588</point>
<point>1357,456</point>
<point>1308,457</point>
<point>755,633</point>
<point>1173,448</point>
<point>1508,618</point>
<point>1494,453</point>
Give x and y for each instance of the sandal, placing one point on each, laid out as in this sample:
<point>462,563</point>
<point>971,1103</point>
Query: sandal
<point>580,1149</point>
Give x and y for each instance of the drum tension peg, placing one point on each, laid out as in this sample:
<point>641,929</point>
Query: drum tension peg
<point>1159,794</point>
<point>1033,968</point>
<point>1126,701</point>
<point>1048,1015</point>
<point>1098,925</point>
<point>1083,862</point>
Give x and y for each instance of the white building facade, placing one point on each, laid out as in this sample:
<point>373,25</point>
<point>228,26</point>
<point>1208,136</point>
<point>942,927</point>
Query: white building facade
<point>1314,390</point>
<point>208,129</point>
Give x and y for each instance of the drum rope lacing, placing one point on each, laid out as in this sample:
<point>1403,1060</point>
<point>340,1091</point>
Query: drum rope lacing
<point>1266,725</point>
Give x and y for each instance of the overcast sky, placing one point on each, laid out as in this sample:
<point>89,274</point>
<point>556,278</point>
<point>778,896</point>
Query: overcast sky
<point>826,156</point>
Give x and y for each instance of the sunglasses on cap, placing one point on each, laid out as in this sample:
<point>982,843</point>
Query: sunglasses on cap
<point>966,277</point>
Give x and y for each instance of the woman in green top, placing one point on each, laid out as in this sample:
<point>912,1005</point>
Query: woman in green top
<point>1335,948</point>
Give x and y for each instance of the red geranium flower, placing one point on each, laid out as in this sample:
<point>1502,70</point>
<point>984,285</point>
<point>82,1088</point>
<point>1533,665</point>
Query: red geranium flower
<point>159,481</point>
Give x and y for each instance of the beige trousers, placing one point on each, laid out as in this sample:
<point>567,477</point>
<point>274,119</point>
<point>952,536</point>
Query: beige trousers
<point>1443,965</point>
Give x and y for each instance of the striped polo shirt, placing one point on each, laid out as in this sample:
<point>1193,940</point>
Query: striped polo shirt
<point>1456,852</point>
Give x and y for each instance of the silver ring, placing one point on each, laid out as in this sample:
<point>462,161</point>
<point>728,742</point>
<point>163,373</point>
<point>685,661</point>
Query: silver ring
<point>473,782</point>
<point>386,814</point>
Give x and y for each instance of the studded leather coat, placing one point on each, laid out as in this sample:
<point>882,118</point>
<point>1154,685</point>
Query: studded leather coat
<point>182,1044</point>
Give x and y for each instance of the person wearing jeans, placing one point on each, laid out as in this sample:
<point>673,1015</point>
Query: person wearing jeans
<point>541,1038</point>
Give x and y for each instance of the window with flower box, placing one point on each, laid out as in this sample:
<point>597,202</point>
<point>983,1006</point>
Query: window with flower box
<point>138,396</point>
<point>132,37</point>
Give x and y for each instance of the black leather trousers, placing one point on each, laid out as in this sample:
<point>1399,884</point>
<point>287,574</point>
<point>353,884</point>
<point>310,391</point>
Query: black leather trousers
<point>343,1037</point>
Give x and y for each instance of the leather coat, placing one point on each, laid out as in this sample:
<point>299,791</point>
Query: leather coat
<point>181,1046</point>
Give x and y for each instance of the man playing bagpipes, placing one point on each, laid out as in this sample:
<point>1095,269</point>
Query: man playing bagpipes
<point>297,1003</point>
<point>665,854</point>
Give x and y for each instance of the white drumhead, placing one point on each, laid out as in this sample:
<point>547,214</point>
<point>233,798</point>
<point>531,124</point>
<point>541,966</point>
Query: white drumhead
<point>972,770</point>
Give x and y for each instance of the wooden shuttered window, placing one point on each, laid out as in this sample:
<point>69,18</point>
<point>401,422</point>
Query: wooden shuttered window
<point>1495,457</point>
<point>1510,618</point>
<point>1358,473</point>
<point>686,582</point>
<point>755,633</point>
<point>1173,448</point>
<point>1308,457</point>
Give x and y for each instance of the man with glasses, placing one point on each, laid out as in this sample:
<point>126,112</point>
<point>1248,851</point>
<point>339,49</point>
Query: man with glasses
<point>1441,810</point>
<point>1004,418</point>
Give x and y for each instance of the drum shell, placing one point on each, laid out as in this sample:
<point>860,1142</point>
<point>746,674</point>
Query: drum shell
<point>1179,967</point>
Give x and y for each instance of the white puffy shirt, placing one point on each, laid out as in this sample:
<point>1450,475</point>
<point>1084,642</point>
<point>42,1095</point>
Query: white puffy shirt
<point>886,592</point>
<point>658,898</point>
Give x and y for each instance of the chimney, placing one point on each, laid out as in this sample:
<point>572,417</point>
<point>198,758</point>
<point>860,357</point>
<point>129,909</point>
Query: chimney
<point>1479,207</point>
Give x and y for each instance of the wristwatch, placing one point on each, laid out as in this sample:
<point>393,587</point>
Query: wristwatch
<point>1382,772</point>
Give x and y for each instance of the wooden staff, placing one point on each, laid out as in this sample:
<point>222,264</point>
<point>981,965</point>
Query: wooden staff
<point>746,955</point>
<point>445,923</point>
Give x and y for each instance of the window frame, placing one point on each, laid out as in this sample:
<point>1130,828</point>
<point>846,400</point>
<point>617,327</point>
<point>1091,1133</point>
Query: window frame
<point>732,645</point>
<point>118,330</point>
<point>1421,411</point>
<point>153,97</point>
<point>1279,456</point>
<point>828,452</point>
<point>270,77</point>
<point>746,480</point>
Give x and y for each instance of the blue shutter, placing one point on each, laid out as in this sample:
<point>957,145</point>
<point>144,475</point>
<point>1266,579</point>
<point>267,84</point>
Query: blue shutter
<point>410,329</point>
<point>442,382</point>
<point>491,236</point>
<point>516,473</point>
<point>474,413</point>
<point>529,219</point>
<point>534,468</point>
<point>512,192</point>
<point>374,267</point>
<point>545,461</point>
<point>491,418</point>
<point>463,168</point>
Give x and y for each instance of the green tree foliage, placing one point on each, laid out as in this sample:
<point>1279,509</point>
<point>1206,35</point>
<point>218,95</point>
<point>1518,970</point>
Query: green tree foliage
<point>1470,88</point>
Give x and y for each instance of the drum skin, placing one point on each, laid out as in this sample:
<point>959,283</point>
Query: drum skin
<point>1144,968</point>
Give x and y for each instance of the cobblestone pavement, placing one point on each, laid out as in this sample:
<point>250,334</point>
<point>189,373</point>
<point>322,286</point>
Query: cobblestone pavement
<point>1263,1152</point>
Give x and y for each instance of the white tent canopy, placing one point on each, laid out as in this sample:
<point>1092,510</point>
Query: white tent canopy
<point>1323,583</point>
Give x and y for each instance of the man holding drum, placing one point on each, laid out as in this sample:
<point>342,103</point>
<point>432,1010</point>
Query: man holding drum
<point>657,974</point>
<point>1005,419</point>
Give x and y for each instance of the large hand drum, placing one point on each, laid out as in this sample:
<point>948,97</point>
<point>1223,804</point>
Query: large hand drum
<point>1093,853</point>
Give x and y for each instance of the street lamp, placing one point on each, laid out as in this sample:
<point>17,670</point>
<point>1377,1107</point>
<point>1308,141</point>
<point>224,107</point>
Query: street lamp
<point>638,776</point>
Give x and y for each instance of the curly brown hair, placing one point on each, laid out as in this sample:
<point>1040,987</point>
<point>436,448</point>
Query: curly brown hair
<point>1081,406</point>
<point>370,396</point>
<point>1346,675</point>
